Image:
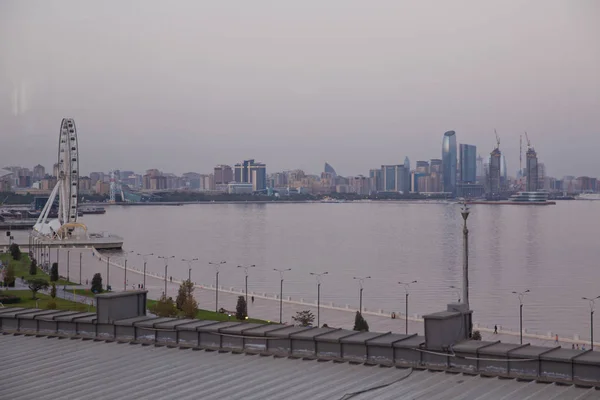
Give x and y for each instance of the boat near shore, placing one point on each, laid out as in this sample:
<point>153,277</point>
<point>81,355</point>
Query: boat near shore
<point>520,199</point>
<point>92,210</point>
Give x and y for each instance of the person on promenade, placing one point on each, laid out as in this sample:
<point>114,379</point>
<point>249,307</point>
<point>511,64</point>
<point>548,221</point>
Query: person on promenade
<point>252,299</point>
<point>556,339</point>
<point>495,329</point>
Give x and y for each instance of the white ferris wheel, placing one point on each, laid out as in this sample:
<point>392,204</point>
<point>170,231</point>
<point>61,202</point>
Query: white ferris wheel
<point>66,188</point>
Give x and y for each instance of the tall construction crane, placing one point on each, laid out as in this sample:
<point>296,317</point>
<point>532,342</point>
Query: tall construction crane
<point>528,142</point>
<point>497,139</point>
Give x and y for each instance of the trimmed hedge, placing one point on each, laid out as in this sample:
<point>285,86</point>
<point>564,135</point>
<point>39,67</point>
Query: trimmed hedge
<point>8,299</point>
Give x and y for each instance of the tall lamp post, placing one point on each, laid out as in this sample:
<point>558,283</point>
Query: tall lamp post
<point>246,268</point>
<point>80,257</point>
<point>107,273</point>
<point>125,279</point>
<point>145,257</point>
<point>457,291</point>
<point>281,272</point>
<point>465,214</point>
<point>217,265</point>
<point>406,285</point>
<point>68,263</point>
<point>318,277</point>
<point>166,258</point>
<point>521,296</point>
<point>189,267</point>
<point>360,284</point>
<point>592,302</point>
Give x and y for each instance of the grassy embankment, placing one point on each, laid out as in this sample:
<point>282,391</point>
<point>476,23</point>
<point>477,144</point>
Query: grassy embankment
<point>22,269</point>
<point>42,301</point>
<point>201,314</point>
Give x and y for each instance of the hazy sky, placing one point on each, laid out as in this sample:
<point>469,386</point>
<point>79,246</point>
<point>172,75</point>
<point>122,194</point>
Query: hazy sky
<point>184,85</point>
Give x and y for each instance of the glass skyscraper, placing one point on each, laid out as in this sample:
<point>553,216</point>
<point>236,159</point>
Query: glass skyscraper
<point>468,163</point>
<point>449,161</point>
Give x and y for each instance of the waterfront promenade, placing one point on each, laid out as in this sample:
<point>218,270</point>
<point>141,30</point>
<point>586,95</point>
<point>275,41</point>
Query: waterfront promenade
<point>266,305</point>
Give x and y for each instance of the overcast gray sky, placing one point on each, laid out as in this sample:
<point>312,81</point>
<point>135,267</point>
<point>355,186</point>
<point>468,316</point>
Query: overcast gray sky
<point>184,85</point>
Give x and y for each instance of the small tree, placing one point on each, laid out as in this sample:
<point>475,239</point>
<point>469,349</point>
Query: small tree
<point>51,304</point>
<point>186,290</point>
<point>360,324</point>
<point>53,290</point>
<point>240,308</point>
<point>33,267</point>
<point>97,283</point>
<point>54,272</point>
<point>9,276</point>
<point>165,307</point>
<point>189,308</point>
<point>304,318</point>
<point>476,335</point>
<point>37,284</point>
<point>15,251</point>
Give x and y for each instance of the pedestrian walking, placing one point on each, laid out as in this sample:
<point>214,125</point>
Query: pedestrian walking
<point>252,299</point>
<point>556,339</point>
<point>495,329</point>
<point>171,278</point>
<point>573,346</point>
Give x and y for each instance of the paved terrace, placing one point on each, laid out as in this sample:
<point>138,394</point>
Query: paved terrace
<point>266,305</point>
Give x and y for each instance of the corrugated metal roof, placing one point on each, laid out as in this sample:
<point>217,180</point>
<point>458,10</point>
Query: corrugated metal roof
<point>52,368</point>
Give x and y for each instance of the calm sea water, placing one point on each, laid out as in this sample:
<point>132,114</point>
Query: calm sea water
<point>552,251</point>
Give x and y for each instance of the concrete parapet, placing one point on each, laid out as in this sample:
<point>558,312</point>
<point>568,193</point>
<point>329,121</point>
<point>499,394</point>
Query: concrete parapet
<point>553,364</point>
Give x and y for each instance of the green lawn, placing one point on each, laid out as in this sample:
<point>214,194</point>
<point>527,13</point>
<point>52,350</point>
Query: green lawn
<point>28,302</point>
<point>214,316</point>
<point>22,268</point>
<point>83,292</point>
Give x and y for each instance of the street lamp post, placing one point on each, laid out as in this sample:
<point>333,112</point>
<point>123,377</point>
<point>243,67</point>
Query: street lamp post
<point>166,270</point>
<point>246,281</point>
<point>125,279</point>
<point>457,291</point>
<point>592,302</point>
<point>189,267</point>
<point>107,273</point>
<point>318,277</point>
<point>145,257</point>
<point>521,296</point>
<point>217,265</point>
<point>465,214</point>
<point>281,272</point>
<point>406,285</point>
<point>68,263</point>
<point>360,284</point>
<point>80,256</point>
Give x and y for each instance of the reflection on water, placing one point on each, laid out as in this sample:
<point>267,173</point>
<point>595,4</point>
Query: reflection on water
<point>550,250</point>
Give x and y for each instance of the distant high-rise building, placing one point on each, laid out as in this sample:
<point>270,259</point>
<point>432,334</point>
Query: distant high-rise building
<point>449,161</point>
<point>468,163</point>
<point>258,175</point>
<point>402,179</point>
<point>395,178</point>
<point>223,174</point>
<point>55,170</point>
<point>388,176</point>
<point>422,167</point>
<point>329,170</point>
<point>503,174</point>
<point>435,165</point>
<point>39,172</point>
<point>243,172</point>
<point>542,177</point>
<point>376,177</point>
<point>532,170</point>
<point>494,172</point>
<point>479,170</point>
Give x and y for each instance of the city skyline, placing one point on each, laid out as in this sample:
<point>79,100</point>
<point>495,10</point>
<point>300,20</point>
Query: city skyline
<point>223,85</point>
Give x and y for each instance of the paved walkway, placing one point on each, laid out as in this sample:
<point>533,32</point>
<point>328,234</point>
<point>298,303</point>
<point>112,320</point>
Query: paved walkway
<point>266,306</point>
